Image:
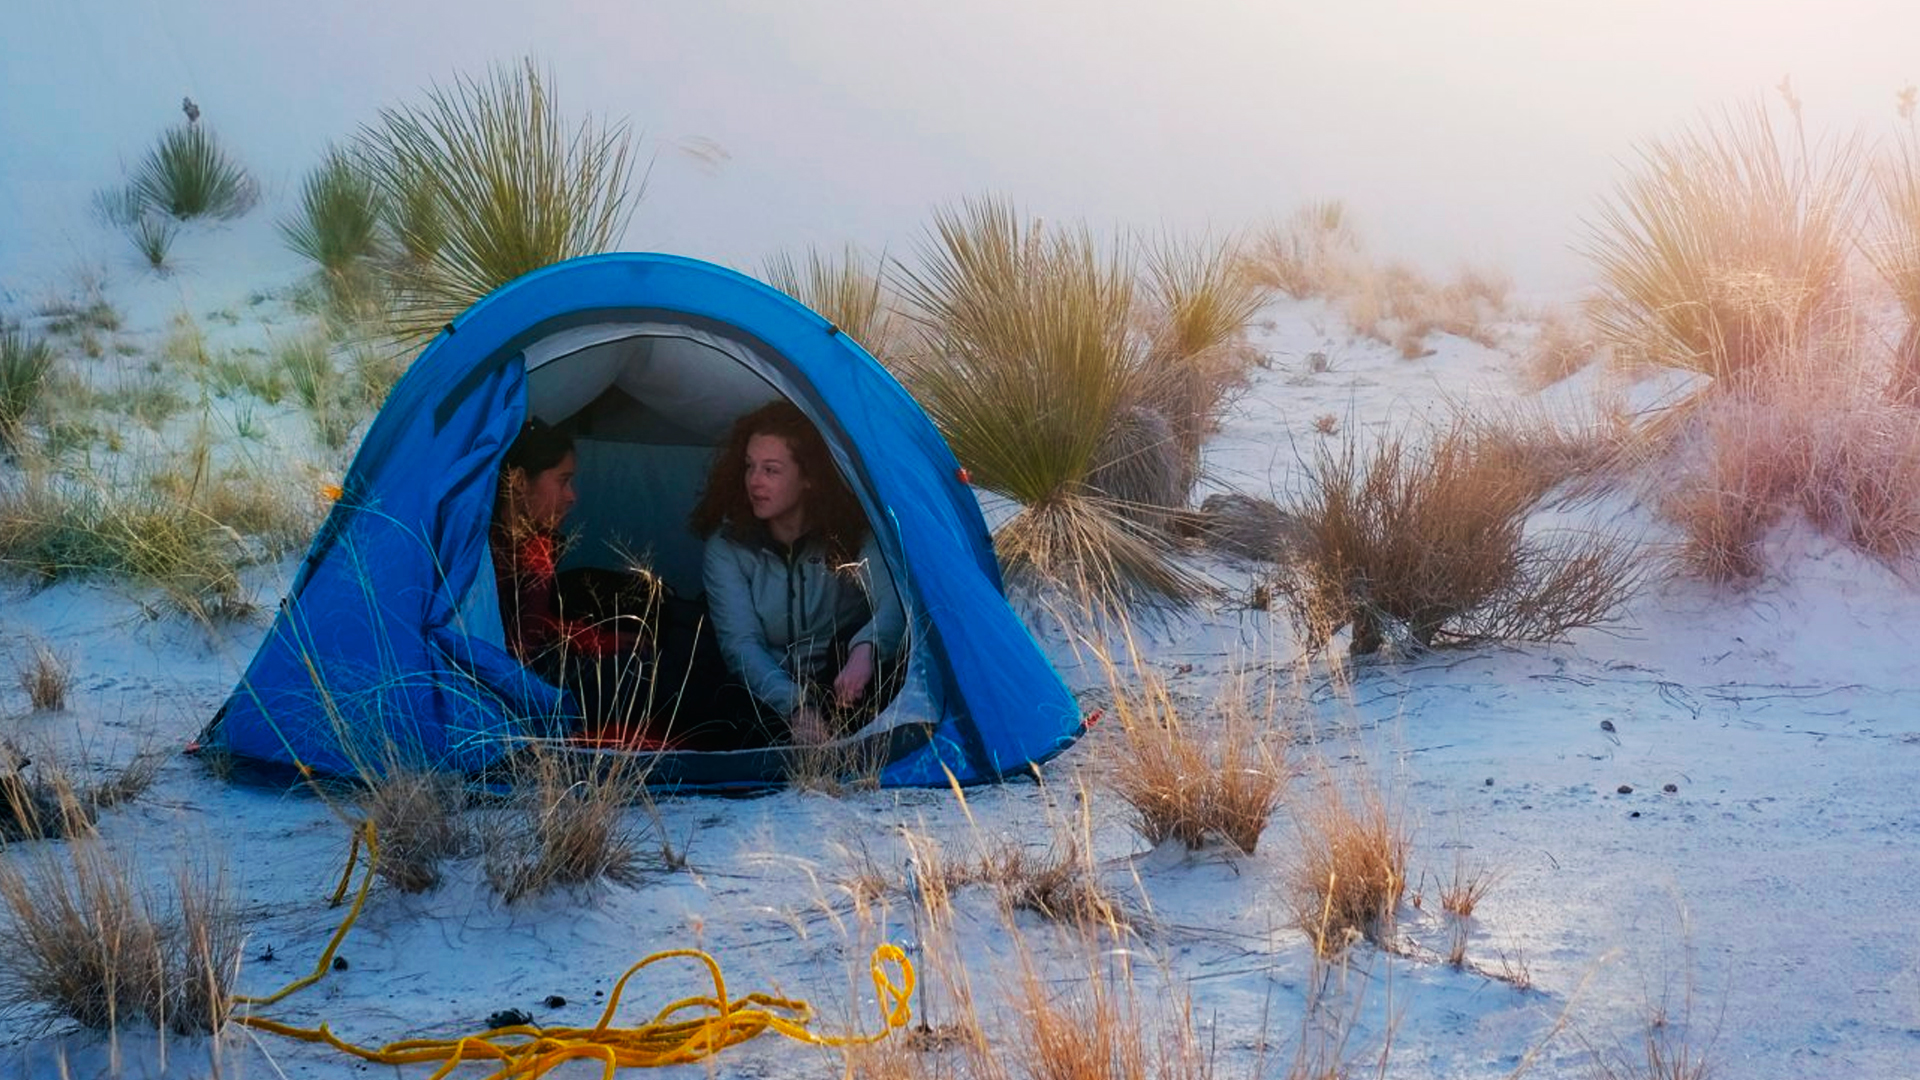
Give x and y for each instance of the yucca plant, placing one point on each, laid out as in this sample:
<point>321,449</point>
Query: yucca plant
<point>488,183</point>
<point>338,224</point>
<point>188,174</point>
<point>1030,363</point>
<point>1895,254</point>
<point>848,292</point>
<point>1724,251</point>
<point>26,372</point>
<point>1201,300</point>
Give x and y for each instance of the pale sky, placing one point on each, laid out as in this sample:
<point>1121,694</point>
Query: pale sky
<point>1476,130</point>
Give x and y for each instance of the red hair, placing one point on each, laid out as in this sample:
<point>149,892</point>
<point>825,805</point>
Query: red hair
<point>832,511</point>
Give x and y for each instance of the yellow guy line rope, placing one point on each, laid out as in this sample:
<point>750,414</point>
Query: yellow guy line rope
<point>531,1051</point>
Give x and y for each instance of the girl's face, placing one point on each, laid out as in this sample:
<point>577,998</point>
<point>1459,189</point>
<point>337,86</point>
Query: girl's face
<point>775,486</point>
<point>546,497</point>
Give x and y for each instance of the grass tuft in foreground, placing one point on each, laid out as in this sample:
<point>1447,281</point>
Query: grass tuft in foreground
<point>1352,868</point>
<point>85,939</point>
<point>26,377</point>
<point>567,825</point>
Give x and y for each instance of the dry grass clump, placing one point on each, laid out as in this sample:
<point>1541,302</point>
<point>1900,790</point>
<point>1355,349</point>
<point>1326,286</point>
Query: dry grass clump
<point>1562,347</point>
<point>1310,254</point>
<point>848,291</point>
<point>1838,454</point>
<point>416,815</point>
<point>1193,782</point>
<point>46,677</point>
<point>1030,365</point>
<point>42,798</point>
<point>566,824</point>
<point>60,525</point>
<point>484,182</point>
<point>1352,869</point>
<point>1059,884</point>
<point>1462,893</point>
<point>1432,541</point>
<point>1724,252</point>
<point>84,939</point>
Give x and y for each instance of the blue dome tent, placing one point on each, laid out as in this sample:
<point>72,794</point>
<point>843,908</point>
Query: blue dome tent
<point>391,636</point>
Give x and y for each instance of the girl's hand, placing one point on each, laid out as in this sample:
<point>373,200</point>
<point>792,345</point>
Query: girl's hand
<point>851,684</point>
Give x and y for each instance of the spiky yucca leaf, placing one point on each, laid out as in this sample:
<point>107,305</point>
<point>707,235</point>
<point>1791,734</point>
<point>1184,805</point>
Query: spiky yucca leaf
<point>489,183</point>
<point>340,211</point>
<point>188,174</point>
<point>847,292</point>
<point>26,372</point>
<point>1721,253</point>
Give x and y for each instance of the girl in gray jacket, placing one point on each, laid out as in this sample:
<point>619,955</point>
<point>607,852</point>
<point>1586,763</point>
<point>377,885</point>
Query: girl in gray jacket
<point>806,613</point>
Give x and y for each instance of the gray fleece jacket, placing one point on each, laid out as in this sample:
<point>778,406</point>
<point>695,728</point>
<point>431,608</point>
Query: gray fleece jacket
<point>777,611</point>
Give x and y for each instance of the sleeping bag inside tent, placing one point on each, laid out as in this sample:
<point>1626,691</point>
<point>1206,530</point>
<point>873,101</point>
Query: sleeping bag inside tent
<point>390,644</point>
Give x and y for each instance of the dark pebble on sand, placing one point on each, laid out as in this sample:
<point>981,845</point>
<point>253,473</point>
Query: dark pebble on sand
<point>1671,788</point>
<point>1625,789</point>
<point>554,1001</point>
<point>1636,813</point>
<point>1489,781</point>
<point>339,963</point>
<point>1606,725</point>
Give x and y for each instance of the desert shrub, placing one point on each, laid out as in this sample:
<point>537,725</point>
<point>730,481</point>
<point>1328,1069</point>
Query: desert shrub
<point>417,817</point>
<point>126,209</point>
<point>1432,540</point>
<point>46,677</point>
<point>87,940</point>
<point>1192,782</point>
<point>43,797</point>
<point>337,226</point>
<point>1029,365</point>
<point>26,374</point>
<point>58,526</point>
<point>1833,452</point>
<point>566,825</point>
<point>1306,255</point>
<point>1894,251</point>
<point>487,183</point>
<point>847,291</point>
<point>188,174</point>
<point>1352,866</point>
<point>1723,252</point>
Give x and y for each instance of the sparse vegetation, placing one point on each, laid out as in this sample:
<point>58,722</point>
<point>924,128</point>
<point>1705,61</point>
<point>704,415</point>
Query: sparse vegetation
<point>338,223</point>
<point>188,174</point>
<point>486,183</point>
<point>26,372</point>
<point>85,939</point>
<point>846,291</point>
<point>1562,347</point>
<point>46,677</point>
<point>57,525</point>
<point>1307,254</point>
<point>1724,252</point>
<point>1191,782</point>
<point>1029,370</point>
<point>566,825</point>
<point>1352,869</point>
<point>417,818</point>
<point>1432,542</point>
